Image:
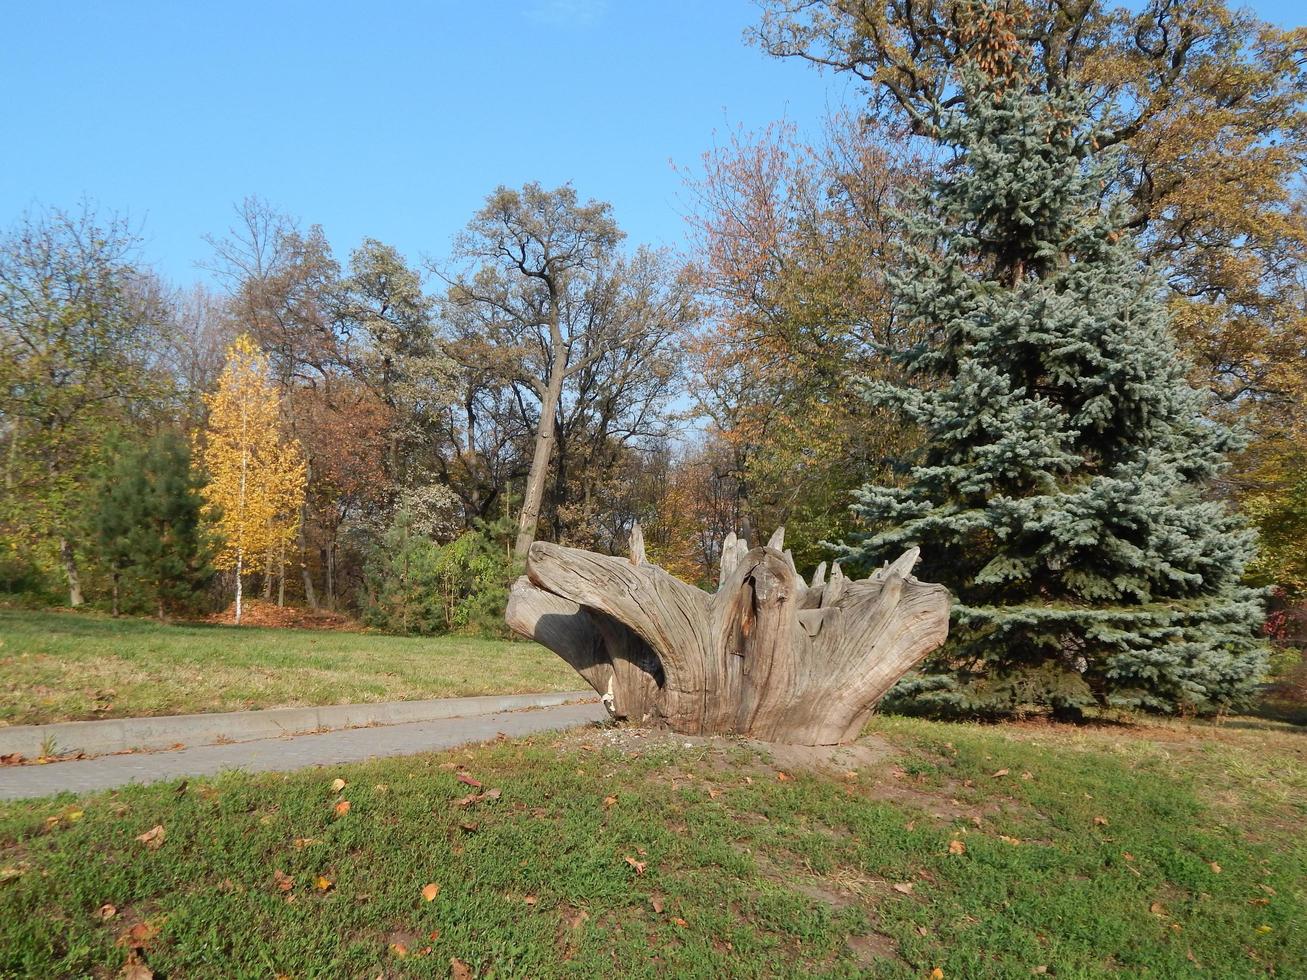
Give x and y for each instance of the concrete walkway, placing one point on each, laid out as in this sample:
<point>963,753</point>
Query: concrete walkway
<point>287,753</point>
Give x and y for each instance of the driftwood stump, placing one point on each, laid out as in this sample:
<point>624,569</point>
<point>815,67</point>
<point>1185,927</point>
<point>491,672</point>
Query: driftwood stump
<point>767,655</point>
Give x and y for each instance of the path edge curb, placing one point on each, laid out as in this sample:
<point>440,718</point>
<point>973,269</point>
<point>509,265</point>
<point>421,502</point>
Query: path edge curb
<point>166,731</point>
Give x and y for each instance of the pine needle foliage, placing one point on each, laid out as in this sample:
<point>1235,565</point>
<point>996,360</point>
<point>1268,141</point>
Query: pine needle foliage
<point>1063,493</point>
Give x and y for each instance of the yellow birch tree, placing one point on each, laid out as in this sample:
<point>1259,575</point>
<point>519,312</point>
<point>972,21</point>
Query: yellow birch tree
<point>255,479</point>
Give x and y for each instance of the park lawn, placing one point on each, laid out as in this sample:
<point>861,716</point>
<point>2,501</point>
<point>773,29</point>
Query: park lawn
<point>979,851</point>
<point>68,667</point>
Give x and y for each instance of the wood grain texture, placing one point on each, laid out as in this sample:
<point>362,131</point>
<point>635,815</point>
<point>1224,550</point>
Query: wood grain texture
<point>767,655</point>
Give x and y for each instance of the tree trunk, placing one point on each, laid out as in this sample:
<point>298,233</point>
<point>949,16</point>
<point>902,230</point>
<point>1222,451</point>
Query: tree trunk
<point>69,558</point>
<point>310,594</point>
<point>240,568</point>
<point>767,656</point>
<point>281,574</point>
<point>114,579</point>
<point>539,472</point>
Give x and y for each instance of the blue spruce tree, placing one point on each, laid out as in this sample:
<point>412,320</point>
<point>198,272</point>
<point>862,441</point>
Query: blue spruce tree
<point>1062,491</point>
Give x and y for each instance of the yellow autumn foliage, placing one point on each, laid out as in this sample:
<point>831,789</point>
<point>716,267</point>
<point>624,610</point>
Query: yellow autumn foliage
<point>256,479</point>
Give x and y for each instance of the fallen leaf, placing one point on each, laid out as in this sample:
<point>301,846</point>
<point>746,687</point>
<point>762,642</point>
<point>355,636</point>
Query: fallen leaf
<point>458,970</point>
<point>152,838</point>
<point>530,900</point>
<point>903,886</point>
<point>1263,928</point>
<point>490,794</point>
<point>1157,908</point>
<point>399,949</point>
<point>337,785</point>
<point>1100,821</point>
<point>467,780</point>
<point>1216,868</point>
<point>609,800</point>
<point>638,865</point>
<point>323,884</point>
<point>469,826</point>
<point>999,772</point>
<point>429,892</point>
<point>1127,855</point>
<point>783,777</point>
<point>11,872</point>
<point>283,881</point>
<point>937,974</point>
<point>135,969</point>
<point>656,903</point>
<point>1040,970</point>
<point>138,936</point>
<point>1014,841</point>
<point>303,842</point>
<point>341,808</point>
<point>1259,901</point>
<point>107,912</point>
<point>957,847</point>
<point>1028,775</point>
<point>680,922</point>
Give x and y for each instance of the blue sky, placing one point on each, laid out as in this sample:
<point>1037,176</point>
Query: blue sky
<point>387,119</point>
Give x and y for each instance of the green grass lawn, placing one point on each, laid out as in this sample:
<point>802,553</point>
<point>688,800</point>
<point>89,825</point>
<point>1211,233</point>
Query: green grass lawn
<point>67,667</point>
<point>979,851</point>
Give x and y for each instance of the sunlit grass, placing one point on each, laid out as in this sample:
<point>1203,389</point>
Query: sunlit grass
<point>63,667</point>
<point>1080,853</point>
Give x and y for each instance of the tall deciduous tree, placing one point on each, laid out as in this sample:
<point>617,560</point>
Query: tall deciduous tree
<point>256,478</point>
<point>79,325</point>
<point>1061,491</point>
<point>548,300</point>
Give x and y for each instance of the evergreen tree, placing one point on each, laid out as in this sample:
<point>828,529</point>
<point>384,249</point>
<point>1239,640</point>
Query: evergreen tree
<point>1061,493</point>
<point>148,527</point>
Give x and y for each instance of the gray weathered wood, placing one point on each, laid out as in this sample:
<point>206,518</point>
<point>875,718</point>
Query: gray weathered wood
<point>767,655</point>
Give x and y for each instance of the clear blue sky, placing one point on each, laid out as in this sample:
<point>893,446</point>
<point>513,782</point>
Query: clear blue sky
<point>391,119</point>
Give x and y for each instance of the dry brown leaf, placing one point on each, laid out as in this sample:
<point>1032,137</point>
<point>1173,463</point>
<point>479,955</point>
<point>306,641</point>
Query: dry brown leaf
<point>152,838</point>
<point>283,881</point>
<point>1027,775</point>
<point>957,847</point>
<point>1157,908</point>
<point>1100,821</point>
<point>138,936</point>
<point>903,886</point>
<point>530,900</point>
<point>467,780</point>
<point>783,777</point>
<point>106,912</point>
<point>399,949</point>
<point>656,903</point>
<point>341,808</point>
<point>638,865</point>
<point>1259,901</point>
<point>469,826</point>
<point>1014,841</point>
<point>937,974</point>
<point>1216,868</point>
<point>609,800</point>
<point>135,968</point>
<point>999,772</point>
<point>680,922</point>
<point>337,785</point>
<point>323,884</point>
<point>430,891</point>
<point>458,970</point>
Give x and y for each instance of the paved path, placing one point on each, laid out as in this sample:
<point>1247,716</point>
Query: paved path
<point>282,754</point>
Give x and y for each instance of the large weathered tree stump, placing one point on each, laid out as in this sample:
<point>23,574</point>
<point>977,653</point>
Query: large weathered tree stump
<point>767,655</point>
